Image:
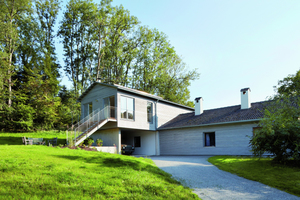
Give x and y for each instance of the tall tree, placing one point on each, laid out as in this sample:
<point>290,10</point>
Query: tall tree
<point>159,70</point>
<point>77,33</point>
<point>10,13</point>
<point>36,80</point>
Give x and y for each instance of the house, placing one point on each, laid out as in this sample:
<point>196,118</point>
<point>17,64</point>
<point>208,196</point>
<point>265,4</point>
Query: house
<point>120,115</point>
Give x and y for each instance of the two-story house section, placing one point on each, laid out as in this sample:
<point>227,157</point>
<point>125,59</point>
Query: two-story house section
<point>120,115</point>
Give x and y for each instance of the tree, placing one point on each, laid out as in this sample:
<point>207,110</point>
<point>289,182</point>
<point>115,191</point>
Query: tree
<point>280,132</point>
<point>10,12</point>
<point>101,41</point>
<point>77,33</point>
<point>289,86</point>
<point>159,70</point>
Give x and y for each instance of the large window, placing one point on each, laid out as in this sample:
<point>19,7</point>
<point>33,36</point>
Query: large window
<point>210,139</point>
<point>127,108</point>
<point>150,112</point>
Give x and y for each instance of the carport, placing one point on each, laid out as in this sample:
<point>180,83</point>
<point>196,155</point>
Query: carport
<point>145,142</point>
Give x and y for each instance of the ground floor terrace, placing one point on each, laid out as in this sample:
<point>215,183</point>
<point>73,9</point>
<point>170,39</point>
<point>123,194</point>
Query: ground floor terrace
<point>145,142</point>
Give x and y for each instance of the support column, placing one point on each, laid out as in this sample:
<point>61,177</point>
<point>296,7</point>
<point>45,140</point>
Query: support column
<point>157,147</point>
<point>119,142</point>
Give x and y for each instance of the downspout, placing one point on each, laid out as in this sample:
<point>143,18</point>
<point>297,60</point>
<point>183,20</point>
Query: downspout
<point>157,150</point>
<point>156,121</point>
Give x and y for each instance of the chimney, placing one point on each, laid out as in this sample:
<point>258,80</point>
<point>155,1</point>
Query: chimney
<point>245,98</point>
<point>198,106</point>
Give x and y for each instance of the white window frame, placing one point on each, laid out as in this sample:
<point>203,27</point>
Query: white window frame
<point>126,110</point>
<point>150,114</point>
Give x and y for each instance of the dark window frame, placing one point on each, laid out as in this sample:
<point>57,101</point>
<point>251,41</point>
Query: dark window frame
<point>210,139</point>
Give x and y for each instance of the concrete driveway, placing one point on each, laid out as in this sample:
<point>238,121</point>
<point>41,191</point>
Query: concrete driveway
<point>209,182</point>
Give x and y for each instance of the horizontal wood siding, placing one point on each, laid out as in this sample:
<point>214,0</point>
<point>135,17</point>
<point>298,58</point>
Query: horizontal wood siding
<point>230,140</point>
<point>166,112</point>
<point>110,137</point>
<point>140,113</point>
<point>96,96</point>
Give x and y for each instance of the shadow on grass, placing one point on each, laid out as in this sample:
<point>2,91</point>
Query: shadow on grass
<point>117,162</point>
<point>18,140</point>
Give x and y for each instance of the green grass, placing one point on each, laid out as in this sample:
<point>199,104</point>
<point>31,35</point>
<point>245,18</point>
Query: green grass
<point>16,138</point>
<point>41,172</point>
<point>262,170</point>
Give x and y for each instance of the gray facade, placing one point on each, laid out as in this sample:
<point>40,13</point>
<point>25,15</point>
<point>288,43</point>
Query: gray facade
<point>230,139</point>
<point>167,128</point>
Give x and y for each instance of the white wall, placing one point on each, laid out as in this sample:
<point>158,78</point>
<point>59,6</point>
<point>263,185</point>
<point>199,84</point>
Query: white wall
<point>230,140</point>
<point>110,137</point>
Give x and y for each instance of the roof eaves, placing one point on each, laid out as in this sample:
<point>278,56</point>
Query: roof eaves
<point>142,93</point>
<point>91,87</point>
<point>151,96</point>
<point>212,124</point>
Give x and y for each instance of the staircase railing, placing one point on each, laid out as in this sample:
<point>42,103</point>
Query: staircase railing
<point>89,122</point>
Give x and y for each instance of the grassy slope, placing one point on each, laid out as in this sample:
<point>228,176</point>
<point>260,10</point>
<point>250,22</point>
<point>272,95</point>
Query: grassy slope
<point>16,138</point>
<point>36,172</point>
<point>262,170</point>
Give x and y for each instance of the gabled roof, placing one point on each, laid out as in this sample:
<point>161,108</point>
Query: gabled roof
<point>231,114</point>
<point>133,91</point>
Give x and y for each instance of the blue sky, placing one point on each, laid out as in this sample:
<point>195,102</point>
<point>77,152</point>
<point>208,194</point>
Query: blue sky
<point>233,44</point>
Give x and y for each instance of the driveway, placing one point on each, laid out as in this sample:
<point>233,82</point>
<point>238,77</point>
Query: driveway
<point>209,182</point>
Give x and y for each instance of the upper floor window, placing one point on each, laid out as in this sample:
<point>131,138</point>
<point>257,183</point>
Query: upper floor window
<point>127,108</point>
<point>150,112</point>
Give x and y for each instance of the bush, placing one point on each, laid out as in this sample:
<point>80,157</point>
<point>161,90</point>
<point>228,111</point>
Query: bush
<point>280,132</point>
<point>99,142</point>
<point>88,141</point>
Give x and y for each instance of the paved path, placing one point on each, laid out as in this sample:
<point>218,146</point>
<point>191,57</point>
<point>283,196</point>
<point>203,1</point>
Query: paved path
<point>209,182</point>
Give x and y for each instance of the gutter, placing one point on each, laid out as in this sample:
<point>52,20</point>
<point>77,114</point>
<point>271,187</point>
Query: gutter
<point>212,124</point>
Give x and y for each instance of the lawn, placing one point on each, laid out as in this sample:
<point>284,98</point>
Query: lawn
<point>42,172</point>
<point>16,138</point>
<point>262,170</point>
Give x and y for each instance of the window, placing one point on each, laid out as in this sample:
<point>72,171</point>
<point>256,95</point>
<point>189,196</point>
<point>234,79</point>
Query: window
<point>127,108</point>
<point>150,112</point>
<point>210,139</point>
<point>109,106</point>
<point>137,141</point>
<point>90,108</point>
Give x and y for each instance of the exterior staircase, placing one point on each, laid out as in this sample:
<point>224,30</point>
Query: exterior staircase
<point>90,124</point>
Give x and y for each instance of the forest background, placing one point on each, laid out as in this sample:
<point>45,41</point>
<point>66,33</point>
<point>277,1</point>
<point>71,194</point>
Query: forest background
<point>100,41</point>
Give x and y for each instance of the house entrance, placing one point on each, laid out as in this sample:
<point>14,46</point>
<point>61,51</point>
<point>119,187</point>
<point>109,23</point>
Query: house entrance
<point>109,104</point>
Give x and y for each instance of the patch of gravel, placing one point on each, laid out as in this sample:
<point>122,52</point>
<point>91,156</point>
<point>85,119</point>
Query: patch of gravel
<point>208,182</point>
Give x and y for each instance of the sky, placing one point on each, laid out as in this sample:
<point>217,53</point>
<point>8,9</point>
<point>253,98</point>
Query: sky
<point>233,44</point>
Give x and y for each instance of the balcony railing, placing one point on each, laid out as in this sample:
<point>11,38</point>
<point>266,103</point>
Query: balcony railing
<point>84,126</point>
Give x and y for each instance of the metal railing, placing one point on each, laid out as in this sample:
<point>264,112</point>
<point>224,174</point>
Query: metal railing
<point>89,122</point>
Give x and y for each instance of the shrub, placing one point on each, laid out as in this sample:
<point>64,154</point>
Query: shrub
<point>280,132</point>
<point>99,142</point>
